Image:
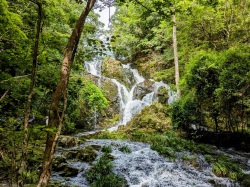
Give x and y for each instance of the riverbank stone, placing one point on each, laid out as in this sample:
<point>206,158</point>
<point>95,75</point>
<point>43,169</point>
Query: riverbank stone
<point>69,141</point>
<point>87,154</point>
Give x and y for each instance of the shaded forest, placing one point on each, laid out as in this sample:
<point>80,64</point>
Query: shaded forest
<point>200,48</point>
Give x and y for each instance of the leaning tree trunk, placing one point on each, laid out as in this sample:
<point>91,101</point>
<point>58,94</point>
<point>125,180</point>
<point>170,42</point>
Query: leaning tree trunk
<point>23,165</point>
<point>176,63</point>
<point>56,114</point>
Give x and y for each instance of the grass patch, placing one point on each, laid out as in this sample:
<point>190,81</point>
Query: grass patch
<point>125,149</point>
<point>106,149</point>
<point>224,166</point>
<point>101,175</point>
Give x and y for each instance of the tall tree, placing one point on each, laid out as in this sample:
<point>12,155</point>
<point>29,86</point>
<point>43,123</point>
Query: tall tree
<point>23,166</point>
<point>56,114</point>
<point>176,62</point>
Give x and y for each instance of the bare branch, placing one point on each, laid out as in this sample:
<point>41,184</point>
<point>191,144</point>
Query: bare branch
<point>3,96</point>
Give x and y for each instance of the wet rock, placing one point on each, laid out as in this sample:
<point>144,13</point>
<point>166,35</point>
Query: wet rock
<point>59,163</point>
<point>109,90</point>
<point>143,89</point>
<point>245,180</point>
<point>96,147</point>
<point>68,141</point>
<point>92,78</point>
<point>113,69</point>
<point>86,154</point>
<point>129,77</point>
<point>69,171</point>
<point>162,94</point>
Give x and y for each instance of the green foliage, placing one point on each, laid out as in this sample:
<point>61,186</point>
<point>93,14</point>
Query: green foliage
<point>106,149</point>
<point>101,175</point>
<point>94,97</point>
<point>31,177</point>
<point>216,91</point>
<point>125,149</point>
<point>184,112</point>
<point>84,99</point>
<point>223,166</point>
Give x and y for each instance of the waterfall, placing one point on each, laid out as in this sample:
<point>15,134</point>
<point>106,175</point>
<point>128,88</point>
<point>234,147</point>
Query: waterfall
<point>94,67</point>
<point>129,106</point>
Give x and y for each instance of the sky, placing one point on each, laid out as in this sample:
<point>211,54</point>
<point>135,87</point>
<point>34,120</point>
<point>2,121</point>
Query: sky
<point>105,16</point>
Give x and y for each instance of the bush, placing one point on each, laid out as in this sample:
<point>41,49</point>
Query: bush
<point>106,149</point>
<point>125,149</point>
<point>101,175</point>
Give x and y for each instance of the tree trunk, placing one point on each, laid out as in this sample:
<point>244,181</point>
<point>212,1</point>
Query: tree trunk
<point>56,114</point>
<point>23,165</point>
<point>176,63</point>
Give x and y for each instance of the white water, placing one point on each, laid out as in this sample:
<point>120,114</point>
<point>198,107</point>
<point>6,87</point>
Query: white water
<point>94,67</point>
<point>144,167</point>
<point>129,106</point>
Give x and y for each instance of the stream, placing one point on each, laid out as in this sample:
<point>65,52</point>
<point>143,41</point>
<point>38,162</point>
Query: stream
<point>144,167</point>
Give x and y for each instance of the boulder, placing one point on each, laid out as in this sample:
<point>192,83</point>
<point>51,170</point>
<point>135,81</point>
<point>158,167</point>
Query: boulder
<point>162,94</point>
<point>59,163</point>
<point>113,69</point>
<point>69,171</point>
<point>143,89</point>
<point>68,141</point>
<point>87,154</point>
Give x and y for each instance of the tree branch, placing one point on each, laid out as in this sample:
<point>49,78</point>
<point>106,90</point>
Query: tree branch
<point>3,96</point>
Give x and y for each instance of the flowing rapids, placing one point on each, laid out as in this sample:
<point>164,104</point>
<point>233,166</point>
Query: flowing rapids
<point>144,167</point>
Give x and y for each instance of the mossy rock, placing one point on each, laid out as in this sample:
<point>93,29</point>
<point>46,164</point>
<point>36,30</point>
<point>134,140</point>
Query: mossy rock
<point>162,95</point>
<point>87,154</point>
<point>153,118</point>
<point>143,88</point>
<point>245,180</point>
<point>113,69</point>
<point>96,147</point>
<point>69,171</point>
<point>59,163</point>
<point>68,141</point>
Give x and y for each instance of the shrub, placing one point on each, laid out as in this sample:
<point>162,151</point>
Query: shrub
<point>101,175</point>
<point>125,149</point>
<point>106,149</point>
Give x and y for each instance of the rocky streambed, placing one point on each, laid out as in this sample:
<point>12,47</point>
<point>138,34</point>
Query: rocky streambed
<point>140,166</point>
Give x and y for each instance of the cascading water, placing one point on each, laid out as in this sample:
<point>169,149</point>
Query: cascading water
<point>94,67</point>
<point>128,105</point>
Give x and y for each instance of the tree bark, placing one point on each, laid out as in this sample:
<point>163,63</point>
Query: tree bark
<point>23,165</point>
<point>176,63</point>
<point>56,114</point>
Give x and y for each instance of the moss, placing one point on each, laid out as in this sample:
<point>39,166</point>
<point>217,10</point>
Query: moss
<point>153,118</point>
<point>113,69</point>
<point>69,172</point>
